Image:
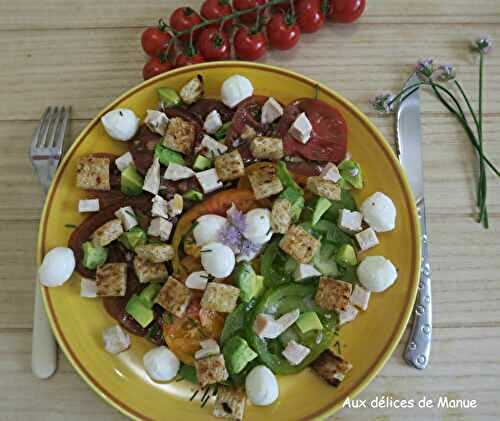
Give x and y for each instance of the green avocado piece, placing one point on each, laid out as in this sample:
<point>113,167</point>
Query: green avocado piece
<point>139,311</point>
<point>322,205</point>
<point>167,156</point>
<point>324,259</point>
<point>134,237</point>
<point>193,195</point>
<point>309,321</point>
<point>168,97</point>
<point>149,294</point>
<point>351,172</point>
<point>201,163</point>
<point>131,181</point>
<point>93,256</point>
<point>221,133</point>
<point>249,283</point>
<point>237,354</point>
<point>346,256</point>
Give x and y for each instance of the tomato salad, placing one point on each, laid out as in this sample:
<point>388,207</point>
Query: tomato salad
<point>228,237</point>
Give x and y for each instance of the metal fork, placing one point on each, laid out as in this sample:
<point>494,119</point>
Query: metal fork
<point>45,153</point>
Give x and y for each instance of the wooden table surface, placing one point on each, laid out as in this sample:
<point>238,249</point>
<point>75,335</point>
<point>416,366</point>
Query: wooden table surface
<point>85,53</point>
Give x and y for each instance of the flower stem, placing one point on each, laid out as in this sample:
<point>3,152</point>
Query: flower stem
<point>483,213</point>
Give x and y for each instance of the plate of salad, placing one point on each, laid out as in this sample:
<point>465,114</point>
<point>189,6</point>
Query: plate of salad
<point>229,239</point>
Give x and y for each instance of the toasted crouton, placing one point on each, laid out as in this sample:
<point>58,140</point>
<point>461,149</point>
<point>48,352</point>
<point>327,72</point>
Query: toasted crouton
<point>230,403</point>
<point>323,187</point>
<point>331,368</point>
<point>263,147</point>
<point>111,280</point>
<point>220,297</point>
<point>230,166</point>
<point>156,253</point>
<point>180,135</point>
<point>107,233</point>
<point>248,133</point>
<point>92,173</point>
<point>174,297</point>
<point>281,215</point>
<point>193,90</point>
<point>265,181</point>
<point>333,294</point>
<point>299,244</point>
<point>211,370</point>
<point>147,271</point>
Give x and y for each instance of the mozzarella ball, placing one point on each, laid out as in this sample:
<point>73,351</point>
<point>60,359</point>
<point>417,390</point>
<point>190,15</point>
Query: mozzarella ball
<point>161,364</point>
<point>57,267</point>
<point>121,124</point>
<point>207,228</point>
<point>379,212</point>
<point>376,273</point>
<point>261,386</point>
<point>235,89</point>
<point>217,259</point>
<point>258,226</point>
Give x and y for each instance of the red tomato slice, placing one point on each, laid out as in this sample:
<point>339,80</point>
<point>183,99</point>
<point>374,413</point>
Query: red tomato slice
<point>328,140</point>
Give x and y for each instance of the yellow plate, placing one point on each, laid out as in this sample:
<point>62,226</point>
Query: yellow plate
<point>369,340</point>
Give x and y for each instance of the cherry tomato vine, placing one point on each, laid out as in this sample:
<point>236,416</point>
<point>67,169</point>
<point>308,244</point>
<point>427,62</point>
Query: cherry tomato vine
<point>248,27</point>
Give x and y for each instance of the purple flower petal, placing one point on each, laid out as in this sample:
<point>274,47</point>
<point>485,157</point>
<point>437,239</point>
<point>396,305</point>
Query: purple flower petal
<point>249,250</point>
<point>236,218</point>
<point>231,237</point>
<point>425,68</point>
<point>383,103</point>
<point>483,44</point>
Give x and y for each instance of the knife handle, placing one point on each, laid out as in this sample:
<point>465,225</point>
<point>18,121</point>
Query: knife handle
<point>418,348</point>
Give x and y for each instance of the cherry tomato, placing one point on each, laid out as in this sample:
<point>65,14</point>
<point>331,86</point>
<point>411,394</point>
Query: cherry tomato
<point>154,41</point>
<point>310,17</point>
<point>154,66</point>
<point>214,9</point>
<point>247,4</point>
<point>347,11</point>
<point>249,45</point>
<point>213,44</point>
<point>188,58</point>
<point>184,18</point>
<point>281,7</point>
<point>283,32</point>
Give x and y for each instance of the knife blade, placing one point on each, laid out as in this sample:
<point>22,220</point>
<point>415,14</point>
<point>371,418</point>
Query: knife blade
<point>409,151</point>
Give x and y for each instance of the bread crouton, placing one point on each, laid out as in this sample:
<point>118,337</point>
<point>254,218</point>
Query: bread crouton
<point>270,148</point>
<point>299,244</point>
<point>248,133</point>
<point>333,294</point>
<point>180,136</point>
<point>323,187</point>
<point>211,370</point>
<point>331,368</point>
<point>220,297</point>
<point>193,90</point>
<point>147,271</point>
<point>281,215</point>
<point>264,181</point>
<point>92,173</point>
<point>107,233</point>
<point>230,403</point>
<point>174,297</point>
<point>156,253</point>
<point>111,280</point>
<point>230,166</point>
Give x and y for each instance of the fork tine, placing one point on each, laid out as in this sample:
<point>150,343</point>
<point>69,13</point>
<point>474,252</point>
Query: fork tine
<point>39,128</point>
<point>50,128</point>
<point>61,129</point>
<point>57,120</point>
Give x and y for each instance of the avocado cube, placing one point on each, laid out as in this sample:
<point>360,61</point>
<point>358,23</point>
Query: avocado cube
<point>193,195</point>
<point>168,97</point>
<point>131,182</point>
<point>139,311</point>
<point>93,256</point>
<point>149,294</point>
<point>346,256</point>
<point>201,163</point>
<point>237,354</point>
<point>309,321</point>
<point>136,236</point>
<point>351,172</point>
<point>167,156</point>
<point>249,283</point>
<point>322,205</point>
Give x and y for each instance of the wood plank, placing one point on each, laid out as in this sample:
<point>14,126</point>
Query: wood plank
<point>71,14</point>
<point>463,366</point>
<point>87,68</point>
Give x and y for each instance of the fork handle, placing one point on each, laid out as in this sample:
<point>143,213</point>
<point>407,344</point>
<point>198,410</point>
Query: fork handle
<point>44,347</point>
<point>418,348</point>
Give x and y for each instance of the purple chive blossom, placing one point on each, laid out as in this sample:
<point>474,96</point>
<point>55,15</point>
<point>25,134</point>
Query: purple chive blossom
<point>445,73</point>
<point>483,44</point>
<point>230,236</point>
<point>383,103</point>
<point>249,250</point>
<point>236,218</point>
<point>424,68</point>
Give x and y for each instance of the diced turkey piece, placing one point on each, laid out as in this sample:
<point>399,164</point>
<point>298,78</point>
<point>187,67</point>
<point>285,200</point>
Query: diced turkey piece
<point>330,172</point>
<point>213,147</point>
<point>156,121</point>
<point>208,347</point>
<point>127,216</point>
<point>295,353</point>
<point>350,221</point>
<point>266,327</point>
<point>213,122</point>
<point>209,180</point>
<point>367,239</point>
<point>160,227</point>
<point>347,315</point>
<point>160,207</point>
<point>152,179</point>
<point>124,161</point>
<point>271,111</point>
<point>305,271</point>
<point>360,297</point>
<point>176,172</point>
<point>88,205</point>
<point>88,288</point>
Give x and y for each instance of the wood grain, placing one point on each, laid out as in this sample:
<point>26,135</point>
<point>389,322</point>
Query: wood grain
<point>87,53</point>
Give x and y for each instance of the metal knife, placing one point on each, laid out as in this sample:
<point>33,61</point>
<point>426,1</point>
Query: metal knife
<point>409,151</point>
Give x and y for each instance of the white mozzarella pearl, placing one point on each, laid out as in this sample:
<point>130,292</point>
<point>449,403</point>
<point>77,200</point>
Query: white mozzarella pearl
<point>161,364</point>
<point>376,273</point>
<point>57,267</point>
<point>121,124</point>
<point>261,386</point>
<point>379,212</point>
<point>217,259</point>
<point>207,228</point>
